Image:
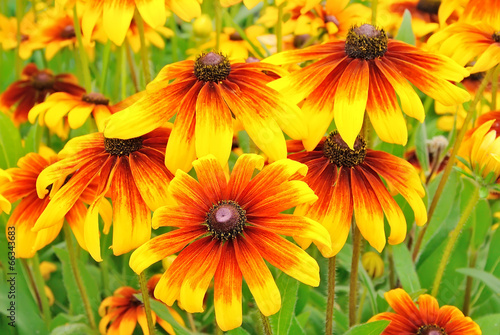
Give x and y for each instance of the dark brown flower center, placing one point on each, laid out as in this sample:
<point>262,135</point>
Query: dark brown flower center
<point>366,42</point>
<point>429,6</point>
<point>339,153</point>
<point>43,80</point>
<point>24,38</point>
<point>431,330</point>
<point>333,19</point>
<point>235,37</point>
<point>300,40</point>
<point>68,32</point>
<point>496,36</point>
<point>212,66</point>
<point>226,220</point>
<point>95,98</point>
<point>119,147</point>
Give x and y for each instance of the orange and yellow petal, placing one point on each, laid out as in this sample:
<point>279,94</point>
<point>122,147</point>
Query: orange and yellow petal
<point>227,290</point>
<point>242,172</point>
<point>258,277</point>
<point>211,177</point>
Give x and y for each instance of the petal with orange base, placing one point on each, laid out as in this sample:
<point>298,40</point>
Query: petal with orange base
<point>211,177</point>
<point>227,290</point>
<point>242,173</point>
<point>258,277</point>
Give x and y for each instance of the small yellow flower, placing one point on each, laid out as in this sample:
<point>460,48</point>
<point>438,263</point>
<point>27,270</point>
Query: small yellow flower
<point>373,264</point>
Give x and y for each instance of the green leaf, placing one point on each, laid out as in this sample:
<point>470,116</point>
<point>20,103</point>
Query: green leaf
<point>71,286</point>
<point>281,321</point>
<point>367,282</point>
<point>238,331</point>
<point>162,311</point>
<point>405,32</point>
<point>10,143</point>
<point>371,328</point>
<point>421,147</point>
<point>489,324</point>
<point>296,328</point>
<point>405,268</point>
<point>72,329</point>
<point>487,278</point>
<point>33,139</point>
<point>481,222</point>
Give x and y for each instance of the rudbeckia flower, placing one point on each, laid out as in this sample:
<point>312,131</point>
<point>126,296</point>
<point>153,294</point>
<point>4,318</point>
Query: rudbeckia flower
<point>8,35</point>
<point>206,94</point>
<point>24,216</point>
<point>349,180</point>
<point>122,311</point>
<point>465,42</point>
<point>427,319</point>
<point>340,15</point>
<point>34,87</point>
<point>131,170</point>
<point>56,32</point>
<point>77,108</point>
<point>226,228</point>
<point>365,72</point>
<point>481,148</point>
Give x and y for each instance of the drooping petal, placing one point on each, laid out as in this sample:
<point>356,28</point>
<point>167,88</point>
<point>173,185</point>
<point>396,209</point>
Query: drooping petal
<point>150,178</point>
<point>214,124</point>
<point>163,246</point>
<point>131,215</point>
<point>199,276</point>
<point>393,213</point>
<point>489,58</point>
<point>258,277</point>
<point>169,287</point>
<point>116,18</point>
<point>76,220</point>
<point>367,209</point>
<point>227,290</point>
<point>78,115</point>
<point>152,11</point>
<point>91,13</point>
<point>181,143</point>
<point>284,255</point>
<point>383,110</point>
<point>259,124</point>
<point>350,100</point>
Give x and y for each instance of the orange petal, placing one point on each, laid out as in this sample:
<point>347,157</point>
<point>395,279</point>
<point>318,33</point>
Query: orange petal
<point>211,177</point>
<point>284,255</point>
<point>178,216</point>
<point>227,290</point>
<point>163,246</point>
<point>242,173</point>
<point>258,277</point>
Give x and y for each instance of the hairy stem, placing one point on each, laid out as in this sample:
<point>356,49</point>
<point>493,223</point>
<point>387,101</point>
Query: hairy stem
<point>145,301</point>
<point>353,282</point>
<point>331,296</point>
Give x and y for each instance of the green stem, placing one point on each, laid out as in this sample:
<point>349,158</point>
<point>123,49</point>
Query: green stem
<point>105,61</point>
<point>144,49</point>
<point>83,54</point>
<point>131,66</point>
<point>19,17</point>
<point>392,271</point>
<point>218,23</point>
<point>353,282</point>
<point>279,28</point>
<point>78,278</point>
<point>191,322</point>
<point>451,160</point>
<point>40,288</point>
<point>123,78</point>
<point>266,324</point>
<point>361,304</point>
<point>331,296</point>
<point>469,282</point>
<point>453,238</point>
<point>374,12</point>
<point>145,300</point>
<point>174,40</point>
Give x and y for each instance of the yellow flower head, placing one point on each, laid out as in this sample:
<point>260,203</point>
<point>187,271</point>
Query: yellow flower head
<point>373,264</point>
